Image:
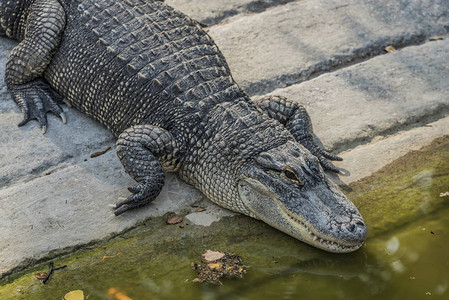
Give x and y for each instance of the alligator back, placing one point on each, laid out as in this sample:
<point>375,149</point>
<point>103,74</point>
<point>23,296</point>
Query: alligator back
<point>127,62</point>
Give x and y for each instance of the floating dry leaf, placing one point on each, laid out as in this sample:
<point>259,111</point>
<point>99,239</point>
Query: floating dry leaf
<point>200,209</point>
<point>100,152</point>
<point>111,256</point>
<point>444,194</point>
<point>74,295</point>
<point>40,276</point>
<point>436,39</point>
<point>210,255</point>
<point>229,265</point>
<point>174,220</point>
<point>114,293</point>
<point>105,257</point>
<point>390,49</point>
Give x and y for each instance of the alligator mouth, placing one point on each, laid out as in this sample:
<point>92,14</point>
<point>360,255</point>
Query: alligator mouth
<point>262,204</point>
<point>319,242</point>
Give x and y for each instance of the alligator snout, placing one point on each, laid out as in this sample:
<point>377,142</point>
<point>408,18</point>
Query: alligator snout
<point>355,231</point>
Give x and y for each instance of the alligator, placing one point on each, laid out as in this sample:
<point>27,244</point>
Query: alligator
<point>156,79</point>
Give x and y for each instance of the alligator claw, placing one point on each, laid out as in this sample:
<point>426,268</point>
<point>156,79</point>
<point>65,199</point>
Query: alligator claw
<point>323,155</point>
<point>63,117</point>
<point>36,98</point>
<point>142,195</point>
<point>26,118</point>
<point>330,156</point>
<point>325,159</point>
<point>328,165</point>
<point>66,102</point>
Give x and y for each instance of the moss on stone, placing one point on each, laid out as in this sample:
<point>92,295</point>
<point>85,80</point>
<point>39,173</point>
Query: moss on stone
<point>404,189</point>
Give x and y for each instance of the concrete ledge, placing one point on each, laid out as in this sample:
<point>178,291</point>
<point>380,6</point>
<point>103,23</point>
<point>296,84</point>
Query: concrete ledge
<point>377,97</point>
<point>214,11</point>
<point>290,43</point>
<point>366,159</point>
<point>70,207</point>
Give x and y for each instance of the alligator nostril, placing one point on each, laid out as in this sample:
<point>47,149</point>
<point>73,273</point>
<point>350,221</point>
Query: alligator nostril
<point>351,227</point>
<point>360,223</point>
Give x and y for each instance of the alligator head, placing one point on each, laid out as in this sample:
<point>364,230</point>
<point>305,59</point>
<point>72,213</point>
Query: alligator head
<point>287,188</point>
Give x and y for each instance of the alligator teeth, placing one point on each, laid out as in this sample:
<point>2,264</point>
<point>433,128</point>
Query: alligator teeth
<point>329,244</point>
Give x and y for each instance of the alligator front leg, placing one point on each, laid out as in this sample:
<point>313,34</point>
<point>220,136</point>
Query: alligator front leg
<point>139,148</point>
<point>27,62</point>
<point>296,119</point>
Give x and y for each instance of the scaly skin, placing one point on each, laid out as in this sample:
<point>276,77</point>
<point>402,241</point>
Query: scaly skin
<point>154,78</point>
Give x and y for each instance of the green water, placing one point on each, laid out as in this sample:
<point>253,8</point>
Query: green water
<point>406,255</point>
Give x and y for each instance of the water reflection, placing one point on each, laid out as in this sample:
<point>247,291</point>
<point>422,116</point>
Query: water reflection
<point>392,246</point>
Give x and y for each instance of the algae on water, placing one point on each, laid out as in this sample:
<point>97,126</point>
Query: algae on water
<point>405,189</point>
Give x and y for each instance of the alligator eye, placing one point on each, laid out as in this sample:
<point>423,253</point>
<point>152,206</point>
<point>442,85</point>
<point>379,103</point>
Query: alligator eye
<point>291,175</point>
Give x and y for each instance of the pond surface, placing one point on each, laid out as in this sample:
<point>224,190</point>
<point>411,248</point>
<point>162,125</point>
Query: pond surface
<point>406,255</point>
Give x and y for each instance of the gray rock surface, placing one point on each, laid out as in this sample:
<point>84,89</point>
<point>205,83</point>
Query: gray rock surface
<point>53,196</point>
<point>212,12</point>
<point>368,158</point>
<point>291,43</point>
<point>70,207</point>
<point>379,96</point>
<point>29,153</point>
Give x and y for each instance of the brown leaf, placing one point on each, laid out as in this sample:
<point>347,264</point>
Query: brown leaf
<point>212,255</point>
<point>174,220</point>
<point>390,49</point>
<point>111,256</point>
<point>100,152</point>
<point>199,209</point>
<point>40,276</point>
<point>115,294</point>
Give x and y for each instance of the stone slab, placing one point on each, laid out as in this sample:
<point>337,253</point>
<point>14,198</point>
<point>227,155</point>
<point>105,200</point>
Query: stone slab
<point>214,11</point>
<point>211,214</point>
<point>69,207</point>
<point>291,43</point>
<point>377,97</point>
<point>27,152</point>
<point>366,159</point>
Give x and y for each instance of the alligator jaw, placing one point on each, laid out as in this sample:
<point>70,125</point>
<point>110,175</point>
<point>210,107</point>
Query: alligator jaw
<point>265,206</point>
<point>317,241</point>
